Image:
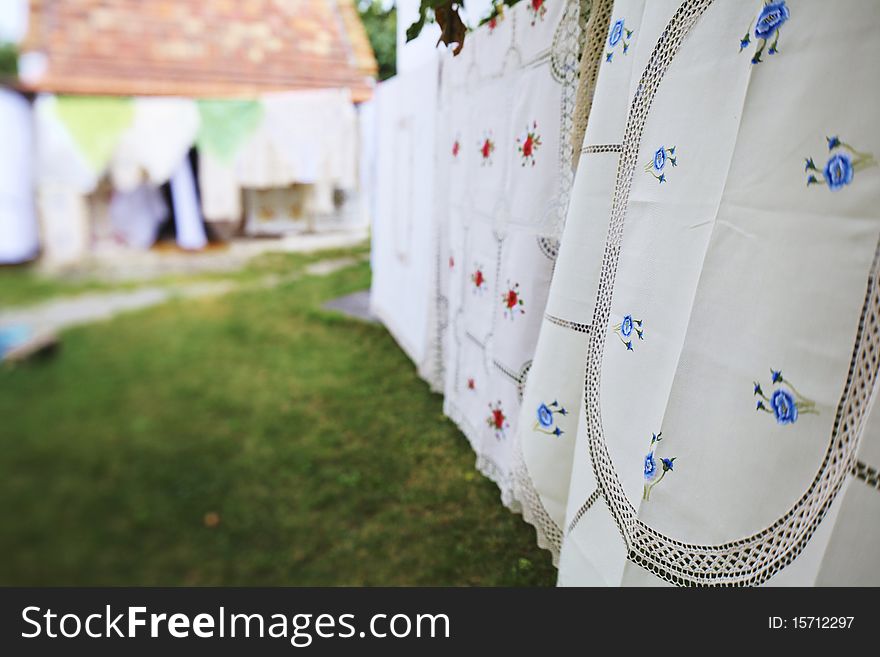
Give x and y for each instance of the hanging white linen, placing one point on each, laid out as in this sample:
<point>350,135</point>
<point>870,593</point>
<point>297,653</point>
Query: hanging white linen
<point>19,240</point>
<point>136,215</point>
<point>59,160</point>
<point>187,212</point>
<point>64,178</point>
<point>64,225</point>
<point>314,133</point>
<point>162,132</point>
<point>220,191</point>
<point>403,232</point>
<point>301,137</point>
<point>715,307</point>
<point>367,130</point>
<point>544,458</point>
<point>504,167</point>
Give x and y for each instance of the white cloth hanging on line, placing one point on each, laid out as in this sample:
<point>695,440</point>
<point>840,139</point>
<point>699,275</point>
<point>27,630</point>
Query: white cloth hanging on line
<point>403,248</point>
<point>712,327</point>
<point>304,137</point>
<point>221,194</point>
<point>19,238</point>
<point>504,167</point>
<point>162,132</point>
<point>187,211</point>
<point>63,178</point>
<point>136,215</point>
<point>59,160</point>
<point>64,225</point>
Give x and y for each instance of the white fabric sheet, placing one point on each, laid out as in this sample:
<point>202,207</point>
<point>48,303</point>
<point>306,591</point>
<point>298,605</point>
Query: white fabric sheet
<point>307,137</point>
<point>187,212</point>
<point>504,168</point>
<point>403,233</point>
<point>136,215</point>
<point>161,134</point>
<point>19,239</point>
<point>712,322</point>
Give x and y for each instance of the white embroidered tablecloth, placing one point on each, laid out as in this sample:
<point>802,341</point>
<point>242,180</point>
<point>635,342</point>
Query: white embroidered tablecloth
<point>504,175</point>
<point>712,327</point>
<point>403,250</point>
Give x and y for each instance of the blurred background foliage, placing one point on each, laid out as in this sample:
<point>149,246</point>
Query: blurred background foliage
<point>380,21</point>
<point>8,60</point>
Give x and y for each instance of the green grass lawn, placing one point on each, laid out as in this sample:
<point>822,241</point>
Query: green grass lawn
<point>325,457</point>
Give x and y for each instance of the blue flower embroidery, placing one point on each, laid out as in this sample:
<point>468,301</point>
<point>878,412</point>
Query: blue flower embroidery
<point>838,172</point>
<point>784,406</point>
<point>767,25</point>
<point>661,156</point>
<point>652,478</point>
<point>785,403</point>
<point>619,33</point>
<point>625,329</point>
<point>616,33</point>
<point>659,159</point>
<point>546,418</point>
<point>771,18</point>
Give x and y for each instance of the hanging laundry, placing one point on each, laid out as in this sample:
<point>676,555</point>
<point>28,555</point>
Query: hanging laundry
<point>544,457</point>
<point>187,212</point>
<point>136,215</point>
<point>64,225</point>
<point>302,137</point>
<point>60,162</point>
<point>225,125</point>
<point>305,137</point>
<point>96,124</point>
<point>19,238</point>
<point>403,233</point>
<point>504,152</point>
<point>162,131</point>
<point>711,329</point>
<point>220,191</point>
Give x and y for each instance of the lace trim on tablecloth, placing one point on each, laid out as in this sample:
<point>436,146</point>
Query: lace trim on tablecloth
<point>595,33</point>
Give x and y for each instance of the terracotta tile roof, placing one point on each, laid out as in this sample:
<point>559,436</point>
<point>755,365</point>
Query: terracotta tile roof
<point>200,47</point>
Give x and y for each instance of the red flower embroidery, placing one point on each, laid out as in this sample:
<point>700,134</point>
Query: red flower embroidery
<point>538,9</point>
<point>497,420</point>
<point>471,384</point>
<point>451,262</point>
<point>513,303</point>
<point>478,279</point>
<point>487,147</point>
<point>455,148</point>
<point>528,144</point>
<point>497,17</point>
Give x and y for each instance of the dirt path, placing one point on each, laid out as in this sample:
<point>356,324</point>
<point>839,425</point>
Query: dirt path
<point>58,314</point>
